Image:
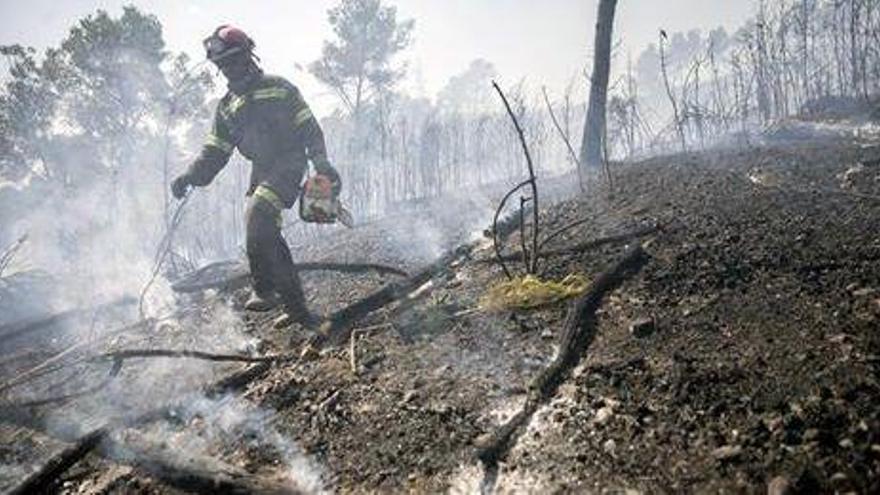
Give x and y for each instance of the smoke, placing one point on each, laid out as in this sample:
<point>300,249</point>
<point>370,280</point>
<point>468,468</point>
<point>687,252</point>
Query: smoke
<point>206,428</point>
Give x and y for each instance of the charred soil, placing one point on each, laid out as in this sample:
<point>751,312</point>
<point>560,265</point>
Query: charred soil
<point>745,353</point>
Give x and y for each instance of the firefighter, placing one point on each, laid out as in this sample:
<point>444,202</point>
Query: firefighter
<point>267,120</point>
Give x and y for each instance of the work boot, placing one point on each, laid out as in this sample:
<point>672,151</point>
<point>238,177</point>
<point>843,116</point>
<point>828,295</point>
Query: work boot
<point>308,320</point>
<point>262,303</point>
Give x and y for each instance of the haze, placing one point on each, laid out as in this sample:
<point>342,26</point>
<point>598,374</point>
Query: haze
<point>545,42</point>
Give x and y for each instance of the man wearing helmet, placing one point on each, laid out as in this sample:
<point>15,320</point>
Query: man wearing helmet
<point>267,120</point>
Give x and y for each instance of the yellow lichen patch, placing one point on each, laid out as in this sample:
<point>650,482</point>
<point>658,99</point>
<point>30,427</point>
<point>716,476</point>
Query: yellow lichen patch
<point>530,292</point>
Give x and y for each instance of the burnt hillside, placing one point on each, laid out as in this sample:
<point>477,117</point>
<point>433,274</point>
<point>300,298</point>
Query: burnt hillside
<point>742,354</point>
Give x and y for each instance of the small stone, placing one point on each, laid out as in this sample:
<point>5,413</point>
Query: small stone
<point>603,415</point>
<point>875,449</point>
<point>838,478</point>
<point>811,435</point>
<point>867,291</point>
<point>779,486</point>
<point>547,334</point>
<point>283,321</point>
<point>727,452</point>
<point>846,443</point>
<point>774,424</point>
<point>409,396</point>
<point>642,327</point>
<point>609,446</point>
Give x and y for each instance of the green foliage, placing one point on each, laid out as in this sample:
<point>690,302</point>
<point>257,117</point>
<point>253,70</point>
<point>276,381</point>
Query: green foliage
<point>360,60</point>
<point>94,102</point>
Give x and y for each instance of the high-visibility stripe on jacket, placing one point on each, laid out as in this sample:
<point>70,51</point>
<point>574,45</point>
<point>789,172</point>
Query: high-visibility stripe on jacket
<point>270,123</point>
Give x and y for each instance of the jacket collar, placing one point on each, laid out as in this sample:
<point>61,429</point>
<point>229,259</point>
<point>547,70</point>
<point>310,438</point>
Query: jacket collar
<point>246,83</point>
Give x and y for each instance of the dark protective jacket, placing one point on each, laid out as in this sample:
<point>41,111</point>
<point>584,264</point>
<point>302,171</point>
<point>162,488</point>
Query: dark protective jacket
<point>271,125</point>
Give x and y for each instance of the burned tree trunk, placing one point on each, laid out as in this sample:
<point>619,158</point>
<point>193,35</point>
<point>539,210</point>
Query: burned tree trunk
<point>594,128</point>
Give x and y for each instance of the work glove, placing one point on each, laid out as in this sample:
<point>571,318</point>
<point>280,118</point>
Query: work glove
<point>180,186</point>
<point>327,170</point>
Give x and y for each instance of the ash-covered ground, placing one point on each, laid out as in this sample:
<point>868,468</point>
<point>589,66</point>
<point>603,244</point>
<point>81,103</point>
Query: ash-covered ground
<point>754,365</point>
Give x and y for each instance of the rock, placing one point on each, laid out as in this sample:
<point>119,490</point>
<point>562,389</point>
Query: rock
<point>603,415</point>
<point>810,435</point>
<point>779,486</point>
<point>865,292</point>
<point>547,334</point>
<point>838,478</point>
<point>727,452</point>
<point>409,396</point>
<point>609,446</point>
<point>642,327</point>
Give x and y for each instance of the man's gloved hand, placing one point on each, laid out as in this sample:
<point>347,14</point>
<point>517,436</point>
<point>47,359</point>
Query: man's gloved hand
<point>180,186</point>
<point>328,171</point>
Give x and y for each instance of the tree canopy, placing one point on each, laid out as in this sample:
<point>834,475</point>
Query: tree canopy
<point>360,61</point>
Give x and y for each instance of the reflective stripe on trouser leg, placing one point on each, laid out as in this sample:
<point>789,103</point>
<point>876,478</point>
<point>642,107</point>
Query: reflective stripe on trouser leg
<point>267,195</point>
<point>269,256</point>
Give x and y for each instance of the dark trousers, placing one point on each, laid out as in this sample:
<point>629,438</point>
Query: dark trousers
<point>269,257</point>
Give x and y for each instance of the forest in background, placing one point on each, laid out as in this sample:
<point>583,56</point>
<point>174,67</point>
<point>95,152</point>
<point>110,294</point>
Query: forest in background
<point>93,130</point>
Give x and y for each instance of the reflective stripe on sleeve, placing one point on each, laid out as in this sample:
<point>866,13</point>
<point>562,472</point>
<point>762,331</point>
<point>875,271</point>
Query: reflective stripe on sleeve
<point>266,194</point>
<point>302,117</point>
<point>216,142</point>
<point>270,94</point>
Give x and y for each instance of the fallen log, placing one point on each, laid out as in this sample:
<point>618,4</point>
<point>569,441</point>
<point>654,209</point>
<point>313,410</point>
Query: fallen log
<point>55,360</point>
<point>186,474</point>
<point>586,245</point>
<point>231,275</point>
<point>338,329</point>
<point>15,330</point>
<point>42,480</point>
<point>578,332</point>
<point>188,354</point>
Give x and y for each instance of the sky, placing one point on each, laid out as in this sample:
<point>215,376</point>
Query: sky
<point>545,42</point>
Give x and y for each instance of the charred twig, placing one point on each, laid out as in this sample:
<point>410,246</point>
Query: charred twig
<point>558,232</point>
<point>190,354</point>
<point>25,354</point>
<point>587,245</point>
<point>18,329</point>
<point>162,251</point>
<point>495,233</point>
<point>43,367</point>
<point>114,372</point>
<point>522,231</point>
<point>565,138</point>
<point>532,182</point>
<point>578,332</point>
<point>9,253</point>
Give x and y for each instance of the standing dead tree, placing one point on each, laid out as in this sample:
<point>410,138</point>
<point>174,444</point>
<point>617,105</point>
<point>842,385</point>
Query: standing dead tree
<point>594,129</point>
<point>675,113</point>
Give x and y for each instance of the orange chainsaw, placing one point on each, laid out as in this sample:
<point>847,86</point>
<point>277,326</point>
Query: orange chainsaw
<point>318,203</point>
